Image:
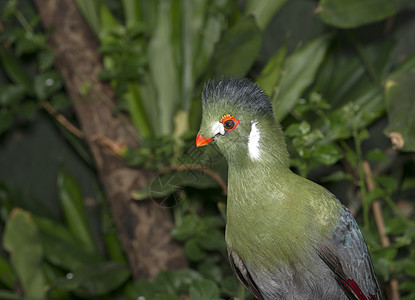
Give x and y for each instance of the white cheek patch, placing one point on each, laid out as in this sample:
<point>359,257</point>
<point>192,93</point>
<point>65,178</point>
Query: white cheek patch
<point>217,127</point>
<point>253,142</point>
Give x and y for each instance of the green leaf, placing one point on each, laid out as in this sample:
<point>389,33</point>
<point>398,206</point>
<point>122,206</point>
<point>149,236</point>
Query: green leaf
<point>74,210</point>
<point>45,60</point>
<point>89,10</point>
<point>363,134</point>
<point>30,43</point>
<point>204,290</point>
<point>244,38</point>
<point>354,13</point>
<point>131,11</point>
<point>175,282</point>
<point>141,289</point>
<point>95,280</point>
<point>213,222</point>
<point>65,255</point>
<point>193,251</point>
<point>337,176</point>
<point>327,154</point>
<point>407,66</point>
<point>148,93</point>
<point>304,127</point>
<point>7,277</point>
<point>263,10</point>
<point>113,246</point>
<point>107,20</point>
<point>356,97</point>
<point>271,73</point>
<point>230,285</point>
<point>382,269</point>
<point>166,283</point>
<point>6,120</point>
<point>408,183</point>
<point>187,228</point>
<point>374,195</point>
<point>205,44</point>
<point>11,94</point>
<point>13,69</point>
<point>21,240</point>
<point>344,77</point>
<point>136,109</point>
<point>410,232</point>
<point>60,102</point>
<point>62,248</point>
<point>395,226</point>
<point>376,155</point>
<point>293,130</point>
<point>163,68</point>
<point>388,182</point>
<point>211,271</point>
<point>7,295</point>
<point>192,17</point>
<point>47,83</point>
<point>408,285</point>
<point>300,70</point>
<point>388,253</point>
<point>167,297</point>
<point>211,240</point>
<point>399,92</point>
<point>183,279</point>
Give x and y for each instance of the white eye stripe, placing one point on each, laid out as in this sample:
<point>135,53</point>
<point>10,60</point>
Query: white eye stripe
<point>217,127</point>
<point>253,143</point>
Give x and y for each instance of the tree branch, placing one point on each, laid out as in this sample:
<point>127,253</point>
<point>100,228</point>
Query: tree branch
<point>209,172</point>
<point>144,227</point>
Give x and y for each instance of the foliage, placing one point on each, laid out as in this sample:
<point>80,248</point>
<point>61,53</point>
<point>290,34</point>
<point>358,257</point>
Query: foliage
<point>331,93</point>
<point>399,89</point>
<point>21,239</point>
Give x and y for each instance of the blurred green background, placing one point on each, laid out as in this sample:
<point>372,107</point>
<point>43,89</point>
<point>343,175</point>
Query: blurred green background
<point>341,76</point>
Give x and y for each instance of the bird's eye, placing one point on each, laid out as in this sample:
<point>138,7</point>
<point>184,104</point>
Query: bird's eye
<point>229,125</point>
<point>229,122</point>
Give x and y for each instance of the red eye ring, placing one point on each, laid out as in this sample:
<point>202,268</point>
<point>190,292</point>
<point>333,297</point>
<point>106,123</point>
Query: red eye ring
<point>229,122</point>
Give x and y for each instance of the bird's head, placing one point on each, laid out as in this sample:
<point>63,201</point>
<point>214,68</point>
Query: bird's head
<point>238,117</point>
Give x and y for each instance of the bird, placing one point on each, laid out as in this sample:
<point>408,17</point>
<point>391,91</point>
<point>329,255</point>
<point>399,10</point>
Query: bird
<point>287,237</point>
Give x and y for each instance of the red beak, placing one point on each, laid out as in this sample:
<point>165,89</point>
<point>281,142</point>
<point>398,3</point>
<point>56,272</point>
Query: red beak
<point>201,141</point>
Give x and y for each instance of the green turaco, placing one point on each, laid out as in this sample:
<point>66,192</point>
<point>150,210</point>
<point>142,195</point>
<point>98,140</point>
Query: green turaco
<point>287,237</point>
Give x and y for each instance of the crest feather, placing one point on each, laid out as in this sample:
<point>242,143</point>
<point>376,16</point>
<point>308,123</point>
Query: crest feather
<point>237,92</point>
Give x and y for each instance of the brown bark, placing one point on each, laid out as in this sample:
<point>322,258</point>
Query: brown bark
<point>144,227</point>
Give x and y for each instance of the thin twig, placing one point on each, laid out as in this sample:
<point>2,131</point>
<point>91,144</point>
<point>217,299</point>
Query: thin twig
<point>62,120</point>
<point>377,210</point>
<point>380,224</point>
<point>201,168</point>
<point>115,148</point>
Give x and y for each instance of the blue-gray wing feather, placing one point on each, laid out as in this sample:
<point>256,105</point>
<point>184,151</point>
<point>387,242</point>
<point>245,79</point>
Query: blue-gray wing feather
<point>241,271</point>
<point>347,255</point>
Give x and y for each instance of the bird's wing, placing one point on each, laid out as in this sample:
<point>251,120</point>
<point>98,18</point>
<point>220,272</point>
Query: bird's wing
<point>346,254</point>
<point>243,274</point>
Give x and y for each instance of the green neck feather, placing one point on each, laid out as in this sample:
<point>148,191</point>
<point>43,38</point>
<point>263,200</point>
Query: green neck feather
<point>268,205</point>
